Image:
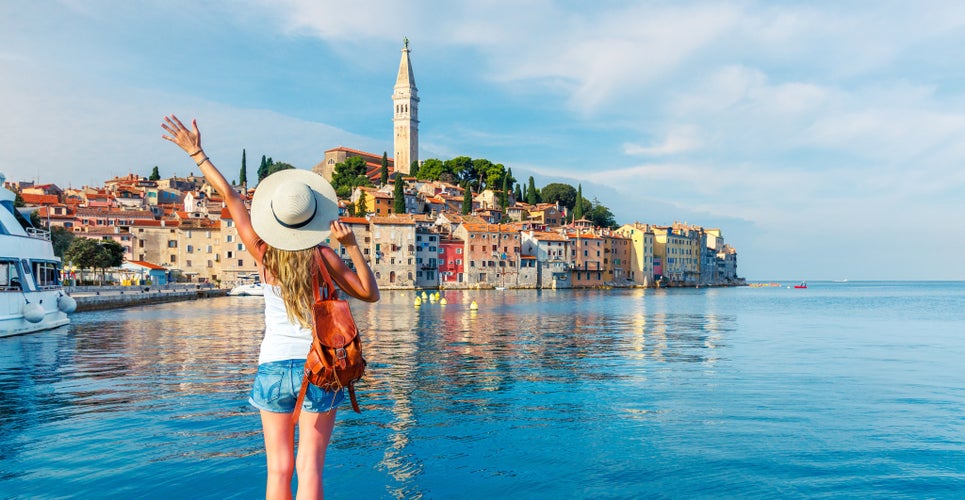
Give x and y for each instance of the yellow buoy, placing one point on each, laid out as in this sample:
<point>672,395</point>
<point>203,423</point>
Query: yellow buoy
<point>442,301</point>
<point>418,302</point>
<point>473,306</point>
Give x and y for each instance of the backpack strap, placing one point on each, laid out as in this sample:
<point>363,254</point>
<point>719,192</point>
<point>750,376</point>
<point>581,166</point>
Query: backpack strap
<point>298,404</point>
<point>331,292</point>
<point>351,395</point>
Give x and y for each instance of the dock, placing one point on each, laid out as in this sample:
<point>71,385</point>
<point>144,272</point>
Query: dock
<point>99,298</point>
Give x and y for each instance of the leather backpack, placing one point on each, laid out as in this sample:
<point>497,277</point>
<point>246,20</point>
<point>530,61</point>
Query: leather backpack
<point>335,359</point>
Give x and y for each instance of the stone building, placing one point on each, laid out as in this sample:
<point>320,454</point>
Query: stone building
<point>393,238</point>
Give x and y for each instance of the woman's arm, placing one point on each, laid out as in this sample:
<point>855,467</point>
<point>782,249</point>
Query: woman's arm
<point>190,142</point>
<point>360,283</point>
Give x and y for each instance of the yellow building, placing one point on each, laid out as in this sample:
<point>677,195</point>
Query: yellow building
<point>641,238</point>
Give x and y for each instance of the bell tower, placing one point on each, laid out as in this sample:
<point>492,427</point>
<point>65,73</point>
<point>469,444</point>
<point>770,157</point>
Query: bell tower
<point>405,98</point>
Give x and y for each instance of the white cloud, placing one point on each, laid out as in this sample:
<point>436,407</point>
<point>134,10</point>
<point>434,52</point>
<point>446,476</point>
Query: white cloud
<point>678,140</point>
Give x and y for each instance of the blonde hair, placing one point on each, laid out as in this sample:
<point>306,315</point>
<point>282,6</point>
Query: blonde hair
<point>293,271</point>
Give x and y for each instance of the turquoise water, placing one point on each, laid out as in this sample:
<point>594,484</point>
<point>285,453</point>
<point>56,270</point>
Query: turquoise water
<point>840,390</point>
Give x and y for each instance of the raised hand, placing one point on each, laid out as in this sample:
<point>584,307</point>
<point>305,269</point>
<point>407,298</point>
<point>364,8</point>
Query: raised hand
<point>342,233</point>
<point>188,140</point>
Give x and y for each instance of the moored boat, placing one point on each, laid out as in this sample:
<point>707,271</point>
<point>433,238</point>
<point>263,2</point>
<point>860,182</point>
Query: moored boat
<point>32,298</point>
<point>248,289</point>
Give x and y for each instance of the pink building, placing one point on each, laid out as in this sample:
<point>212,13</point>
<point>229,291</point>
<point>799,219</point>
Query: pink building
<point>451,261</point>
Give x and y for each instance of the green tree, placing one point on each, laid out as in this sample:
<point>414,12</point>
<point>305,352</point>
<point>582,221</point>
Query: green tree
<point>467,200</point>
<point>601,215</point>
<point>503,193</point>
<point>361,206</point>
<point>61,238</point>
<point>432,170</point>
<point>243,177</point>
<point>94,254</point>
<point>554,192</point>
<point>486,173</point>
<point>349,175</point>
<point>511,182</point>
<point>532,195</point>
<point>82,253</point>
<point>384,169</point>
<point>275,167</point>
<point>263,168</point>
<point>398,194</point>
<point>463,170</point>
<point>578,208</point>
<point>518,194</point>
<point>155,175</point>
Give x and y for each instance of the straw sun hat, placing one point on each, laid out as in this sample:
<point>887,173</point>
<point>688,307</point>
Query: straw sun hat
<point>292,209</point>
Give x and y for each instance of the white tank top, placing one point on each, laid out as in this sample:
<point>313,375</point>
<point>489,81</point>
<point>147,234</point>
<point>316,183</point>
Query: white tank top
<point>283,340</point>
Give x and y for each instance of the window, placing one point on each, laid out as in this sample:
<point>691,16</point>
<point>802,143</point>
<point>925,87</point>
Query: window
<point>172,243</point>
<point>241,263</point>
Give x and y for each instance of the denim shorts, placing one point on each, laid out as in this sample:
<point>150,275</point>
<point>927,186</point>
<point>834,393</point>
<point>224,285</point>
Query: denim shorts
<point>276,389</point>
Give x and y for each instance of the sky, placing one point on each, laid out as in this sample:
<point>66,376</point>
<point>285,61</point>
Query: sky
<point>825,139</point>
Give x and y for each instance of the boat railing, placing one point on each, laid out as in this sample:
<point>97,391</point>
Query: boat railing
<point>42,234</point>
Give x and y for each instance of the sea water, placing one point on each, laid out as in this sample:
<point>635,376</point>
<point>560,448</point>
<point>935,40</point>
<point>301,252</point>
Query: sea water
<point>850,390</point>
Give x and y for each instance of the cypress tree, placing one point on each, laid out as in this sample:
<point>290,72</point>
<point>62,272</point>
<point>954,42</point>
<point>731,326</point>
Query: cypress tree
<point>578,209</point>
<point>384,171</point>
<point>155,175</point>
<point>398,195</point>
<point>243,178</point>
<point>531,196</point>
<point>518,194</point>
<point>503,195</point>
<point>467,200</point>
<point>361,206</point>
<point>263,168</point>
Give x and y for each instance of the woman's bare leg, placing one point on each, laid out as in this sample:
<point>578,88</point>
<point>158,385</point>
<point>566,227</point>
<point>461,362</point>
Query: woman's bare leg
<point>314,433</point>
<point>279,442</point>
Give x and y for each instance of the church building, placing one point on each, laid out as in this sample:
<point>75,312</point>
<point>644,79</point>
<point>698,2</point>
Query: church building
<point>405,99</point>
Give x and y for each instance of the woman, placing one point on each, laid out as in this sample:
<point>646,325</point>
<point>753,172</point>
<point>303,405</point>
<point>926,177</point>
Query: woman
<point>292,213</point>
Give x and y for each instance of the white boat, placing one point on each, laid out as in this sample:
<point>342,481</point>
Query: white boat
<point>249,289</point>
<point>31,295</point>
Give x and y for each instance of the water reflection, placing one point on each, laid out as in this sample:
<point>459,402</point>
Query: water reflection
<point>514,355</point>
<point>167,384</point>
